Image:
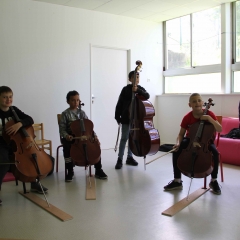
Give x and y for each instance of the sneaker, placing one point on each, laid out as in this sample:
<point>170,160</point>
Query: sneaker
<point>173,186</point>
<point>131,161</point>
<point>35,187</point>
<point>118,164</point>
<point>215,187</point>
<point>100,174</point>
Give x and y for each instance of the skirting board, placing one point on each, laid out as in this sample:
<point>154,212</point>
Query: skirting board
<point>177,207</point>
<point>43,204</point>
<point>11,239</point>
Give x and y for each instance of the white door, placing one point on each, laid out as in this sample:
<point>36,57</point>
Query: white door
<point>108,77</point>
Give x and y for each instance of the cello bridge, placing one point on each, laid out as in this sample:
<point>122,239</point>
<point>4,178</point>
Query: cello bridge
<point>84,138</point>
<point>29,145</point>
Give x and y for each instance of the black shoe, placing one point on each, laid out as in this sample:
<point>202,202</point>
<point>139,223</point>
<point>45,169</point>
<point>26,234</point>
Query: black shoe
<point>35,187</point>
<point>173,186</point>
<point>0,202</point>
<point>215,187</point>
<point>118,164</point>
<point>100,174</point>
<point>69,177</point>
<point>131,161</point>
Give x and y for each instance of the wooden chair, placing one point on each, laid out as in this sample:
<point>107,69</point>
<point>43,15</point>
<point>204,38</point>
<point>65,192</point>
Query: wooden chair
<point>41,142</point>
<point>219,119</point>
<point>57,152</point>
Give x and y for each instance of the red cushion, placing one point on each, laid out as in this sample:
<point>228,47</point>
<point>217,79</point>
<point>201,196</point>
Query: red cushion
<point>229,148</point>
<point>228,123</point>
<point>9,177</point>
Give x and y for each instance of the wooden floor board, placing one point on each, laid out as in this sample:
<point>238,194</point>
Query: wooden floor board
<point>43,204</point>
<point>90,188</point>
<point>177,207</point>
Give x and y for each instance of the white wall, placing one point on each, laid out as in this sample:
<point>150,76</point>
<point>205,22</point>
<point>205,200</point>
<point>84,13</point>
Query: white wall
<point>171,109</point>
<point>45,52</point>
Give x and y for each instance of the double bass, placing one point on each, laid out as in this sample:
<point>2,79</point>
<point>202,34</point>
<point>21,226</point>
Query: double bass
<point>31,163</point>
<point>85,149</point>
<point>196,160</point>
<point>143,137</point>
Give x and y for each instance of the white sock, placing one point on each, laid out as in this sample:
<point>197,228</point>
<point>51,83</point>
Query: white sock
<point>177,180</point>
<point>213,179</point>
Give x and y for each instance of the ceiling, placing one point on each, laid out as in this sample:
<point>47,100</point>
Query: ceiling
<point>151,10</point>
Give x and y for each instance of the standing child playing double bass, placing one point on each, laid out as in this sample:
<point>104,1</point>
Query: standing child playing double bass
<point>196,103</point>
<point>122,117</point>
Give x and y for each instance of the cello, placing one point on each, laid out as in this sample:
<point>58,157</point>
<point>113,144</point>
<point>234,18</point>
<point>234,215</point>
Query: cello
<point>143,137</point>
<point>85,149</point>
<point>196,160</point>
<point>31,162</point>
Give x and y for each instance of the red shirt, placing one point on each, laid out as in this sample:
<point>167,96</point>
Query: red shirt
<point>189,119</point>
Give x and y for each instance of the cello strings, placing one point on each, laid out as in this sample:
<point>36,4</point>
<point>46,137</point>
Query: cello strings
<point>44,194</point>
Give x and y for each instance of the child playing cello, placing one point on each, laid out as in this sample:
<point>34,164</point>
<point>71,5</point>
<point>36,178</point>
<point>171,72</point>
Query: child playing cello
<point>196,103</point>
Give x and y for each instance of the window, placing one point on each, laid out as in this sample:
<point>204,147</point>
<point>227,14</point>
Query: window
<point>178,42</point>
<point>238,31</point>
<point>205,43</point>
<point>203,83</point>
<point>206,35</point>
<point>236,82</point>
<point>236,48</point>
<point>193,53</point>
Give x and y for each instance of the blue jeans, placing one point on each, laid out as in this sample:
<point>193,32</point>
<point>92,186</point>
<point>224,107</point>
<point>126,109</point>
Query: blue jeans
<point>123,141</point>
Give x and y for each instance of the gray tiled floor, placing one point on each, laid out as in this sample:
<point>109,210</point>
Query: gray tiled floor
<point>128,206</point>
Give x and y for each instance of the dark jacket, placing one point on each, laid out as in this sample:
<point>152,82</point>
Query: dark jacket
<point>8,115</point>
<point>124,101</point>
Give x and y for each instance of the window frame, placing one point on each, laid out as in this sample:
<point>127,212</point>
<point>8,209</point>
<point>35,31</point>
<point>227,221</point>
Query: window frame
<point>193,70</point>
<point>235,67</point>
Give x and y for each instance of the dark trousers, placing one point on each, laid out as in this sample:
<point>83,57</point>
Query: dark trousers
<point>5,152</point>
<point>183,145</point>
<point>66,154</point>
